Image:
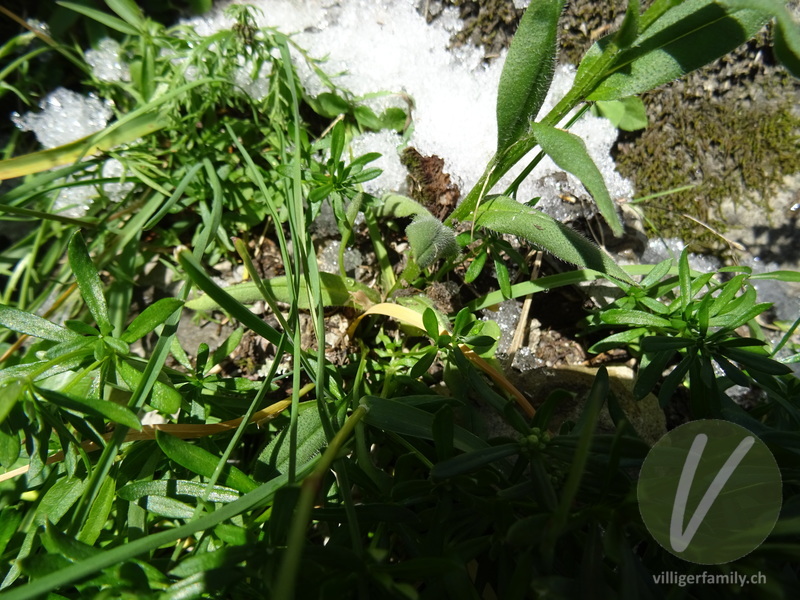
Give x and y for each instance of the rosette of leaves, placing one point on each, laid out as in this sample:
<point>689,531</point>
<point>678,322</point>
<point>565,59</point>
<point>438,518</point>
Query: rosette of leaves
<point>696,318</point>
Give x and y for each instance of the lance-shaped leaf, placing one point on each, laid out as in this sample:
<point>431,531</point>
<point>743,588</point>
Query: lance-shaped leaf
<point>92,406</point>
<point>505,215</point>
<point>528,71</point>
<point>681,40</point>
<point>101,17</point>
<point>629,30</point>
<point>33,325</point>
<point>163,397</point>
<point>202,462</point>
<point>150,318</point>
<point>569,152</point>
<point>89,282</point>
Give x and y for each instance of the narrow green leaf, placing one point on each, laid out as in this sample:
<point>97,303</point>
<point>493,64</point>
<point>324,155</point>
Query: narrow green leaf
<point>726,295</point>
<point>740,304</point>
<point>101,17</point>
<point>505,215</point>
<point>337,142</point>
<point>168,507</point>
<point>9,446</point>
<point>629,30</point>
<point>33,325</point>
<point>685,279</point>
<point>98,514</point>
<point>174,488</point>
<point>740,342</point>
<point>59,543</point>
<point>569,152</point>
<point>404,419</point>
<point>274,459</point>
<point>129,11</point>
<point>476,266</point>
<point>676,377</point>
<point>150,318</point>
<point>167,205</point>
<point>650,370</point>
<point>10,519</point>
<point>92,406</point>
<point>623,316</point>
<point>732,371</point>
<point>528,71</point>
<point>58,500</point>
<point>202,462</point>
<point>654,305</point>
<point>623,338</point>
<point>226,348</point>
<point>81,328</point>
<point>207,561</point>
<point>757,362</point>
<point>163,397</point>
<point>503,277</point>
<point>738,318</point>
<point>423,364</point>
<point>472,461</point>
<point>336,291</point>
<point>224,300</point>
<point>585,429</point>
<point>431,323</point>
<point>682,39</point>
<point>790,276</point>
<point>657,273</point>
<point>89,282</point>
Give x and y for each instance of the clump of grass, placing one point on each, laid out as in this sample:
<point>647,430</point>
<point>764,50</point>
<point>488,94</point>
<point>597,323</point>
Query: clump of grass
<point>360,470</point>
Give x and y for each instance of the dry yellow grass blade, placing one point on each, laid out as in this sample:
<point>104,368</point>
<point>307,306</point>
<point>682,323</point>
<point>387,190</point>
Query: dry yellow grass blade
<point>411,317</point>
<point>183,431</point>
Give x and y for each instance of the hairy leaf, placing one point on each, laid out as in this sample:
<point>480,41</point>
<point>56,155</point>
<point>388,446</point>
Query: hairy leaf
<point>569,152</point>
<point>528,71</point>
<point>505,215</point>
<point>681,40</point>
<point>33,325</point>
<point>89,282</point>
<point>201,461</point>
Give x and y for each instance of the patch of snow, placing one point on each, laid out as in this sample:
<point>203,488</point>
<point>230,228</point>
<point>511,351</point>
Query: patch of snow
<point>66,116</point>
<point>106,62</point>
<point>386,45</point>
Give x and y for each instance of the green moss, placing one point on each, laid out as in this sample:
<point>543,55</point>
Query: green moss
<point>734,145</point>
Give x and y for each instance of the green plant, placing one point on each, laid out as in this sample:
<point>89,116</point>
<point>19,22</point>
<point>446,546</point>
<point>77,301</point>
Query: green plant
<point>386,481</point>
<point>697,317</point>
